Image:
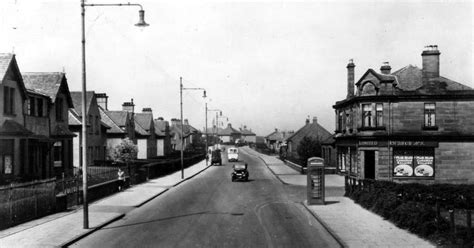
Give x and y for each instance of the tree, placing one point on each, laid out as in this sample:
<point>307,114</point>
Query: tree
<point>307,148</point>
<point>125,151</point>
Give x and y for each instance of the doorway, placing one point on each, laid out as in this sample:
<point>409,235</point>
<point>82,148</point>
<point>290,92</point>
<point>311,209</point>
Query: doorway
<point>369,164</point>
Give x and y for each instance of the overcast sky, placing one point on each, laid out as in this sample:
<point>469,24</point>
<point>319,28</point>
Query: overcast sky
<point>265,64</point>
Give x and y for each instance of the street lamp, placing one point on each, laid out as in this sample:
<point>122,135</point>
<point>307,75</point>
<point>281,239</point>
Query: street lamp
<point>141,23</point>
<point>182,126</point>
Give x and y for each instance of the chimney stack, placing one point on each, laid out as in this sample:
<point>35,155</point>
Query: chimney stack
<point>430,58</point>
<point>102,100</point>
<point>315,119</point>
<point>385,68</point>
<point>147,110</point>
<point>307,121</point>
<point>128,106</point>
<point>350,78</point>
<point>186,122</point>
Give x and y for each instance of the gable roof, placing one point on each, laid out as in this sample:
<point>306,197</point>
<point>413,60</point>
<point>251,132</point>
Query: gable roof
<point>118,116</point>
<point>7,61</point>
<point>73,118</point>
<point>114,127</point>
<point>76,97</point>
<point>47,83</point>
<point>144,119</point>
<point>246,132</point>
<point>379,76</point>
<point>160,127</point>
<point>139,129</point>
<point>10,127</point>
<point>312,130</point>
<point>229,130</point>
<point>278,135</point>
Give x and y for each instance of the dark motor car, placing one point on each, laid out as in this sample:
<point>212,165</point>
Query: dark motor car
<point>240,172</point>
<point>216,157</point>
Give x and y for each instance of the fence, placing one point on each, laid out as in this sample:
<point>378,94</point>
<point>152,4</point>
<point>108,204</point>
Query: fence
<point>26,201</point>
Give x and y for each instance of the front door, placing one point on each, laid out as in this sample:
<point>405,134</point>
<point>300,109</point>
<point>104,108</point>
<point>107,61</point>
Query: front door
<point>369,164</point>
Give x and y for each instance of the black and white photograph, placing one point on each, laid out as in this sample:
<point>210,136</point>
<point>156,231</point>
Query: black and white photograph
<point>236,123</point>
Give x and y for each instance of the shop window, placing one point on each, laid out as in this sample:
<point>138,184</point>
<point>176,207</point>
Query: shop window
<point>6,156</point>
<point>8,100</point>
<point>379,115</point>
<point>430,115</point>
<point>366,115</point>
<point>58,153</point>
<point>413,163</point>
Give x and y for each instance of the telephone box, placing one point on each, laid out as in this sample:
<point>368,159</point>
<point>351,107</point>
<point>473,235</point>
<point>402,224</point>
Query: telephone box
<point>315,182</point>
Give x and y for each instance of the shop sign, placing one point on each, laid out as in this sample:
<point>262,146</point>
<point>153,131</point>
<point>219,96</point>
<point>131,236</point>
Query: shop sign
<point>372,143</point>
<point>414,143</point>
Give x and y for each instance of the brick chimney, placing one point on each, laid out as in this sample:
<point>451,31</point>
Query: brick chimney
<point>147,110</point>
<point>102,100</point>
<point>430,58</point>
<point>186,122</point>
<point>315,119</point>
<point>385,68</point>
<point>128,106</point>
<point>306,121</point>
<point>350,78</point>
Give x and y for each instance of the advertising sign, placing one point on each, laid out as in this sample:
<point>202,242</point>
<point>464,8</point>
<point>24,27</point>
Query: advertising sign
<point>415,163</point>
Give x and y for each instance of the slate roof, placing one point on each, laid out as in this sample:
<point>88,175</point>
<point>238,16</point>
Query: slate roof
<point>114,127</point>
<point>139,129</point>
<point>312,130</point>
<point>278,135</point>
<point>144,119</point>
<point>77,100</point>
<point>118,116</point>
<point>410,78</point>
<point>246,132</point>
<point>60,131</point>
<point>7,60</point>
<point>74,119</point>
<point>46,83</point>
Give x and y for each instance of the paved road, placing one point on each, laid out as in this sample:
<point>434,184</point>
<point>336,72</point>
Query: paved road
<point>211,211</point>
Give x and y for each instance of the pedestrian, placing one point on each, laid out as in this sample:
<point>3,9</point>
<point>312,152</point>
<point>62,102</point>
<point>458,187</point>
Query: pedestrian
<point>121,179</point>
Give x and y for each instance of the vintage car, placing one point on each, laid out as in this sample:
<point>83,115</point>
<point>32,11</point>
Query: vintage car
<point>240,172</point>
<point>216,157</point>
<point>233,154</point>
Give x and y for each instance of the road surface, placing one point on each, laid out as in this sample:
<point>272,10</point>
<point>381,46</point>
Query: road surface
<point>211,211</point>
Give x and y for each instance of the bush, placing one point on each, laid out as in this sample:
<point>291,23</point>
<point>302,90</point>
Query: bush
<point>307,148</point>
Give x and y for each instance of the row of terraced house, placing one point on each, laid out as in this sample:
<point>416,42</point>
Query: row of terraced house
<point>41,126</point>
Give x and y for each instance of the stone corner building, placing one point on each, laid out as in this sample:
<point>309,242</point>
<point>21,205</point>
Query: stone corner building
<point>411,125</point>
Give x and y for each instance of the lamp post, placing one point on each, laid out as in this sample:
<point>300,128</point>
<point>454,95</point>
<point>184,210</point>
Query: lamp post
<point>182,126</point>
<point>141,23</point>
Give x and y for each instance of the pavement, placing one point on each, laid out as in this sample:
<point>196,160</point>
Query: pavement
<point>348,222</point>
<point>62,229</point>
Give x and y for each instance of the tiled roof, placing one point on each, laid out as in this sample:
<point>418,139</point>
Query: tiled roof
<point>312,130</point>
<point>144,119</point>
<point>77,100</point>
<point>114,127</point>
<point>47,83</point>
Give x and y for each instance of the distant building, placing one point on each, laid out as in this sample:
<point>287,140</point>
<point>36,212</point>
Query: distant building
<point>310,129</point>
<point>411,125</point>
<point>145,134</point>
<point>248,136</point>
<point>191,135</point>
<point>96,129</point>
<point>229,134</point>
<point>276,139</point>
<point>163,137</point>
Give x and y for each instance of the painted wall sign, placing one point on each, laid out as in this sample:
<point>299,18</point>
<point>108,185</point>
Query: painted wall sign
<point>414,143</point>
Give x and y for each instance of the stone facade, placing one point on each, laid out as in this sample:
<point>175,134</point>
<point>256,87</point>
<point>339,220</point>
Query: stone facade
<point>410,125</point>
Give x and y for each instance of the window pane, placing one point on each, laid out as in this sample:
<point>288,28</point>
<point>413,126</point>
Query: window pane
<point>8,164</point>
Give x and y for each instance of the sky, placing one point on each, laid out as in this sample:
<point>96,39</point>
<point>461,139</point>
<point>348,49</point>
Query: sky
<point>265,64</point>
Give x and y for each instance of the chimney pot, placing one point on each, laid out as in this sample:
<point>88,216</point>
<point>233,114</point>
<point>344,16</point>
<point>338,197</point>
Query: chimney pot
<point>350,78</point>
<point>385,68</point>
<point>430,57</point>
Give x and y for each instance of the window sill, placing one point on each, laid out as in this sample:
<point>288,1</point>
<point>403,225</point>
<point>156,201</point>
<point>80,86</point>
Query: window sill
<point>432,128</point>
<point>371,129</point>
<point>11,115</point>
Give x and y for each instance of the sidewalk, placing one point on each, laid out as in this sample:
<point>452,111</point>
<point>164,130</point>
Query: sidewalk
<point>347,221</point>
<point>63,228</point>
